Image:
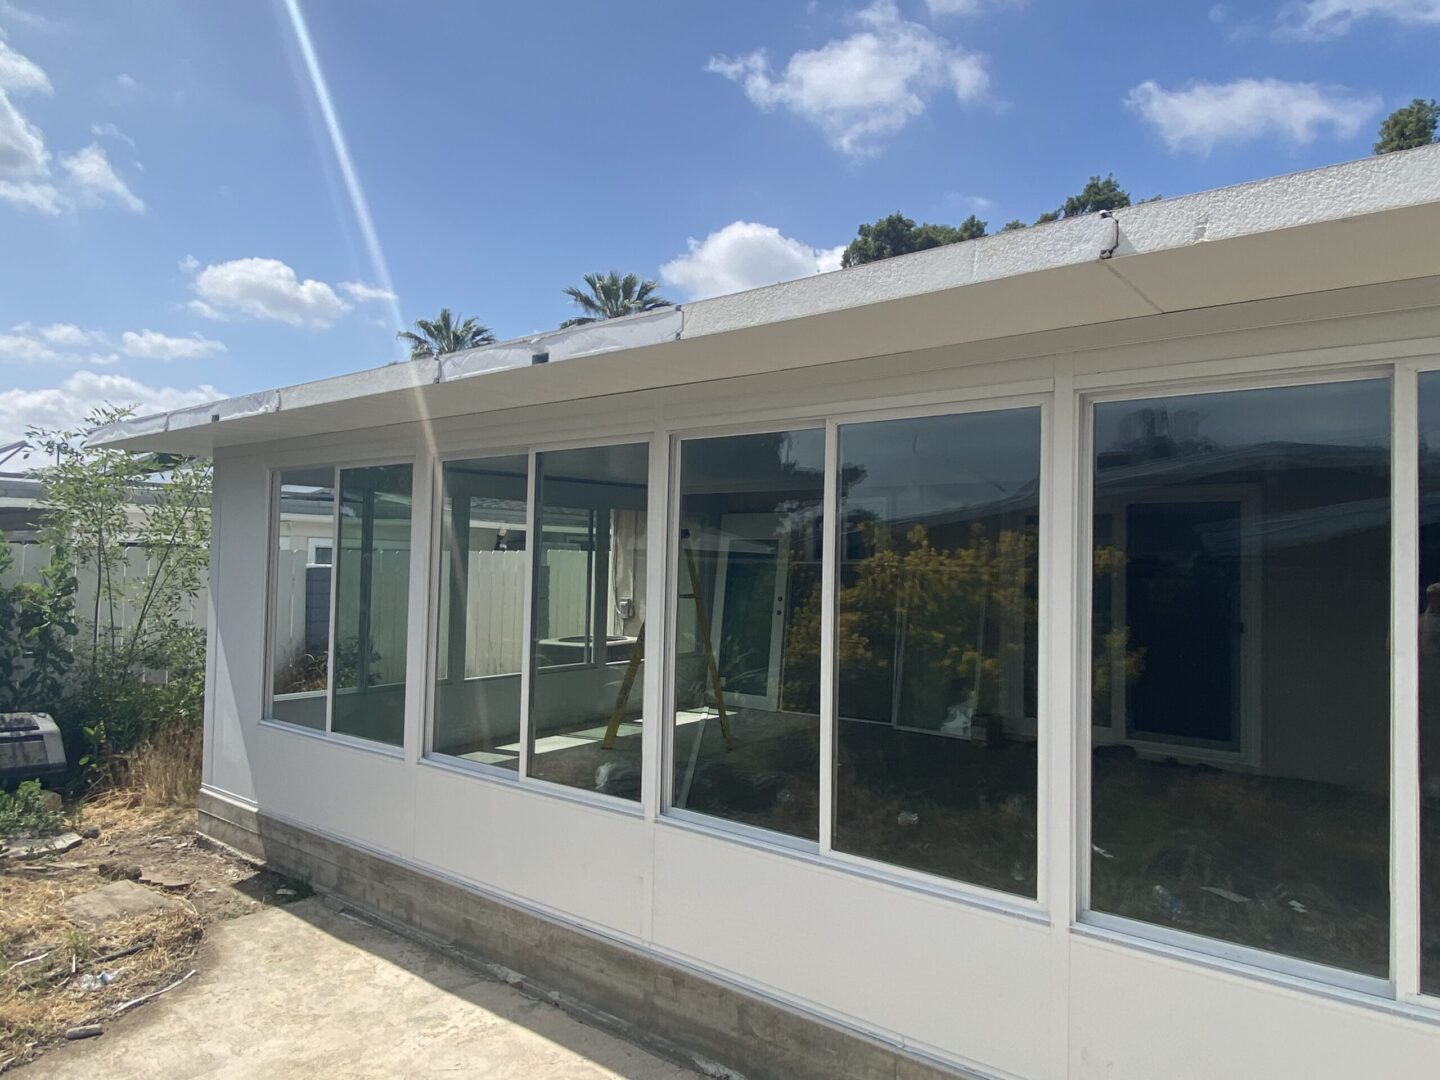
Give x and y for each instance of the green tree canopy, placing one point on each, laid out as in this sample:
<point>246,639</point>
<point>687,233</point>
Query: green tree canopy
<point>1011,226</point>
<point>610,296</point>
<point>899,235</point>
<point>1408,127</point>
<point>443,334</point>
<point>1097,194</point>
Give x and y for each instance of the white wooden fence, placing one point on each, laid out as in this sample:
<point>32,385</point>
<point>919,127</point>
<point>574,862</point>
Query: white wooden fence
<point>495,602</point>
<point>30,560</point>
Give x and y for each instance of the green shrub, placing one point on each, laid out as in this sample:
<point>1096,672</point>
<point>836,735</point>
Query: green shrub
<point>26,813</point>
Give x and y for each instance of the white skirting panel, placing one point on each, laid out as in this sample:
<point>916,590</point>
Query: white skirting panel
<point>1139,1016</point>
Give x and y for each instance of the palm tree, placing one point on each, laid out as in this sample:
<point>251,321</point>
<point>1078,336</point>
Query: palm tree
<point>610,296</point>
<point>443,335</point>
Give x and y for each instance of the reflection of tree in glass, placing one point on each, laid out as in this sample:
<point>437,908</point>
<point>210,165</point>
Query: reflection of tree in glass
<point>948,606</point>
<point>1110,650</point>
<point>310,671</point>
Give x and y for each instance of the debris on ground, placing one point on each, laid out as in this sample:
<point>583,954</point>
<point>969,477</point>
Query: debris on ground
<point>84,938</point>
<point>115,902</point>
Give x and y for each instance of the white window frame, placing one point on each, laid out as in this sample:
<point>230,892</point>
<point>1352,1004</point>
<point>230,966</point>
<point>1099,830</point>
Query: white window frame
<point>336,464</point>
<point>1236,376</point>
<point>969,400</point>
<point>520,775</point>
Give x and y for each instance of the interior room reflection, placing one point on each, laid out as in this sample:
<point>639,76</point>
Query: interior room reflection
<point>936,645</point>
<point>1240,674</point>
<point>1428,596</point>
<point>747,629</point>
<point>588,615</point>
<point>587,651</point>
<point>300,602</point>
<point>481,615</point>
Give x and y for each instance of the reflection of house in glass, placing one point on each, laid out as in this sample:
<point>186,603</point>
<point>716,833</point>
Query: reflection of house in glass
<point>1019,658</point>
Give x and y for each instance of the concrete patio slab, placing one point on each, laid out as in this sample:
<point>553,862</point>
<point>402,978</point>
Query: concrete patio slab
<point>306,991</point>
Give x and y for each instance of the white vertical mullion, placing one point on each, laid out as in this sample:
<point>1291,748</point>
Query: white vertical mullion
<point>532,542</point>
<point>1063,778</point>
<point>658,555</point>
<point>1404,685</point>
<point>335,556</point>
<point>829,576</point>
<point>673,557</point>
<point>417,620</point>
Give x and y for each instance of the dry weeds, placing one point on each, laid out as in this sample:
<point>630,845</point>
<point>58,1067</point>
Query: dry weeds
<point>46,960</point>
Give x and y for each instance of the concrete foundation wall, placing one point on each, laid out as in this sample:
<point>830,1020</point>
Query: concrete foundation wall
<point>705,1023</point>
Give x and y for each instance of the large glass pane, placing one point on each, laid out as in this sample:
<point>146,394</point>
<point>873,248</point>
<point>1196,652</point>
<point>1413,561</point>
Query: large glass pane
<point>936,645</point>
<point>481,630</point>
<point>1429,603</point>
<point>300,602</point>
<point>747,635</point>
<point>1241,713</point>
<point>372,575</point>
<point>587,699</point>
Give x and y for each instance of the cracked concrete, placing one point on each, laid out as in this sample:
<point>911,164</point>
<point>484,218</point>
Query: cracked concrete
<point>306,991</point>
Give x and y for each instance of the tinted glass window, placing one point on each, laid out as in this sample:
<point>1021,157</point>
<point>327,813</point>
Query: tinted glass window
<point>1241,709</point>
<point>747,635</point>
<point>936,645</point>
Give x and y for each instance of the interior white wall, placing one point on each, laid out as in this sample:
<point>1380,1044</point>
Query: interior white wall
<point>1013,990</point>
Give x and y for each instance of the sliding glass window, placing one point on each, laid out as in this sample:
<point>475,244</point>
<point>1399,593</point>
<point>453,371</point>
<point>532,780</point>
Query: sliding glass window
<point>481,614</point>
<point>372,595</point>
<point>338,661</point>
<point>301,566</point>
<point>936,645</point>
<point>1428,594</point>
<point>1241,705</point>
<point>747,629</point>
<point>588,618</point>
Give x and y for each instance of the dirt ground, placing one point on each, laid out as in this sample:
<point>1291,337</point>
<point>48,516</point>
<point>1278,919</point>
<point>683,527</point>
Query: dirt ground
<point>57,975</point>
<point>283,984</point>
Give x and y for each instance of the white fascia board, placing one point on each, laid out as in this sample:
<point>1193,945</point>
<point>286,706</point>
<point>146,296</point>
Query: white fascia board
<point>1167,233</point>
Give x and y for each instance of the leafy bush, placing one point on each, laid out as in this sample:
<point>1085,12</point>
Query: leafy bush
<point>128,670</point>
<point>26,813</point>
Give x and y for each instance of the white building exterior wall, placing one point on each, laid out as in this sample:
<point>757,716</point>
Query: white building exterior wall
<point>1008,987</point>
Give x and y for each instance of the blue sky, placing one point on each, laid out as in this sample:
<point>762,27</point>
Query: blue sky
<point>176,222</point>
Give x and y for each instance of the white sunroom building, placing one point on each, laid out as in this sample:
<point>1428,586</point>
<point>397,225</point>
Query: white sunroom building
<point>1017,659</point>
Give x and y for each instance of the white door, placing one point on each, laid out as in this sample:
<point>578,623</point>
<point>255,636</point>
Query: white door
<point>748,621</point>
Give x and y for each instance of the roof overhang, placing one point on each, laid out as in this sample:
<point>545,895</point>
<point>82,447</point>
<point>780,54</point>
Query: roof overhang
<point>1363,223</point>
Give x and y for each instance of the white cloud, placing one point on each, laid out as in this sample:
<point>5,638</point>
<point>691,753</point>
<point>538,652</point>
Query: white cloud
<point>1318,19</point>
<point>27,195</point>
<point>69,335</point>
<point>938,8</point>
<point>96,182</point>
<point>189,264</point>
<point>110,131</point>
<point>25,180</point>
<point>361,292</point>
<point>126,82</point>
<point>744,255</point>
<point>20,73</point>
<point>153,345</point>
<point>66,405</point>
<point>265,289</point>
<point>862,88</point>
<point>27,350</point>
<point>1204,114</point>
<point>23,156</point>
<point>13,13</point>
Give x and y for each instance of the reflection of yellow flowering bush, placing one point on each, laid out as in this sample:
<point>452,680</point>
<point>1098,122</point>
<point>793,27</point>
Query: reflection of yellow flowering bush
<point>963,614</point>
<point>1110,645</point>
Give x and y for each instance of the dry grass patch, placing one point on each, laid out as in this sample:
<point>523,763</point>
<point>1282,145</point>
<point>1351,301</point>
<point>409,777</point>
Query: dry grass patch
<point>53,973</point>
